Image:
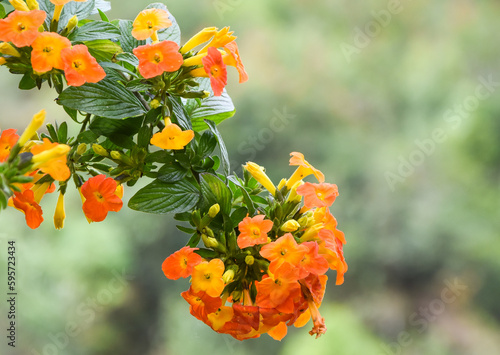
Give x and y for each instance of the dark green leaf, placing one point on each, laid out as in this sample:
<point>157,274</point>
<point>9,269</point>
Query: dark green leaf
<point>179,113</point>
<point>103,50</point>
<point>144,136</point>
<point>206,253</point>
<point>160,156</point>
<point>160,197</point>
<point>172,173</point>
<point>104,98</point>
<point>238,215</point>
<point>128,58</point>
<point>194,240</point>
<point>72,113</point>
<point>207,144</point>
<point>186,230</point>
<point>62,133</point>
<point>223,150</point>
<point>214,190</point>
<point>2,11</point>
<point>87,137</point>
<point>95,30</point>
<point>81,9</point>
<point>246,196</point>
<point>105,126</point>
<point>27,82</point>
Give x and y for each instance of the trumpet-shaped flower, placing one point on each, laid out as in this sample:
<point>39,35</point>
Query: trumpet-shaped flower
<point>35,123</point>
<point>220,39</point>
<point>59,214</point>
<point>51,159</point>
<point>21,27</point>
<point>199,38</point>
<point>233,58</point>
<point>207,277</point>
<point>258,173</point>
<point>172,137</point>
<point>25,202</point>
<point>216,69</point>
<point>304,169</point>
<point>8,139</point>
<point>284,249</point>
<point>148,22</point>
<point>181,263</point>
<point>80,67</point>
<point>100,197</point>
<point>155,59</point>
<point>318,195</point>
<point>253,231</point>
<point>46,53</point>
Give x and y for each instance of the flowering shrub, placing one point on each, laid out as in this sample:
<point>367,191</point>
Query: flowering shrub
<point>148,106</point>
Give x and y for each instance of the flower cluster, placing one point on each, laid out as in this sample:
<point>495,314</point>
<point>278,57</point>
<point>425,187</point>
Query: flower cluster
<point>269,272</point>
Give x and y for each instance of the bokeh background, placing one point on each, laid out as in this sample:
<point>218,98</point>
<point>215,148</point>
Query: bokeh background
<point>395,101</point>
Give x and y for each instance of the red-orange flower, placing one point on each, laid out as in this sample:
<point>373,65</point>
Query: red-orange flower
<point>25,202</point>
<point>233,58</point>
<point>279,290</point>
<point>201,303</point>
<point>21,27</point>
<point>155,59</point>
<point>148,22</point>
<point>216,69</point>
<point>56,167</point>
<point>100,197</point>
<point>253,231</point>
<point>80,67</point>
<point>304,169</point>
<point>284,249</point>
<point>318,195</point>
<point>7,141</point>
<point>46,53</point>
<point>181,263</point>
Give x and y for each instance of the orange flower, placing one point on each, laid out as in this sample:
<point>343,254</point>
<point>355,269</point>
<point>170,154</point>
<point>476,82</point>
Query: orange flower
<point>220,317</point>
<point>220,39</point>
<point>318,195</point>
<point>201,303</point>
<point>304,169</point>
<point>33,212</point>
<point>253,231</point>
<point>284,249</point>
<point>279,290</point>
<point>233,58</point>
<point>172,137</point>
<point>7,140</point>
<point>181,263</point>
<point>100,197</point>
<point>246,315</point>
<point>216,69</point>
<point>155,59</point>
<point>47,158</point>
<point>46,53</point>
<point>148,22</point>
<point>313,262</point>
<point>207,277</point>
<point>21,27</point>
<point>80,67</point>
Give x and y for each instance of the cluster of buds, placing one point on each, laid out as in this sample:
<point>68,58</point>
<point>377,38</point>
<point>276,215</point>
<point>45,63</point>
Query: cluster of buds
<point>269,272</point>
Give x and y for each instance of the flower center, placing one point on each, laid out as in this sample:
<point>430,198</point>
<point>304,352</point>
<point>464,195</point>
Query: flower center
<point>21,27</point>
<point>150,25</point>
<point>78,65</point>
<point>99,197</point>
<point>157,58</point>
<point>47,49</point>
<point>208,276</point>
<point>256,231</point>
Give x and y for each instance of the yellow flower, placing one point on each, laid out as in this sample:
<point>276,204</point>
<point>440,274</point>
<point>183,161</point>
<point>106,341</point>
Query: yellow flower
<point>148,22</point>
<point>258,173</point>
<point>220,39</point>
<point>201,37</point>
<point>304,169</point>
<point>172,137</point>
<point>19,5</point>
<point>33,4</point>
<point>8,49</point>
<point>34,125</point>
<point>59,214</point>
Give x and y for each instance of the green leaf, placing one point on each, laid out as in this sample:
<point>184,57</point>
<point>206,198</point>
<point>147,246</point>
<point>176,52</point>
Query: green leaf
<point>172,173</point>
<point>101,6</point>
<point>207,144</point>
<point>27,82</point>
<point>95,30</point>
<point>87,137</point>
<point>103,50</point>
<point>238,215</point>
<point>2,11</point>
<point>194,240</point>
<point>179,113</point>
<point>246,196</point>
<point>127,42</point>
<point>128,58</point>
<point>72,113</point>
<point>103,126</point>
<point>222,146</point>
<point>206,253</point>
<point>214,190</point>
<point>214,108</point>
<point>186,229</point>
<point>62,133</point>
<point>104,98</point>
<point>172,33</point>
<point>102,15</point>
<point>159,197</point>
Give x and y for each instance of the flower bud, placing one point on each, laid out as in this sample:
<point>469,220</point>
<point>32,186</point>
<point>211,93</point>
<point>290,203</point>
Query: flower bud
<point>72,23</point>
<point>258,173</point>
<point>115,155</point>
<point>282,184</point>
<point>33,4</point>
<point>214,210</point>
<point>82,148</point>
<point>59,214</point>
<point>19,5</point>
<point>249,260</point>
<point>154,104</point>
<point>311,232</point>
<point>290,226</point>
<point>99,150</point>
<point>209,242</point>
<point>34,125</point>
<point>8,49</point>
<point>206,94</point>
<point>228,276</point>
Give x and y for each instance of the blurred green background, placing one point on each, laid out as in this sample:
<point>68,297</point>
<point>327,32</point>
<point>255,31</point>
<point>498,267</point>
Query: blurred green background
<point>396,102</point>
